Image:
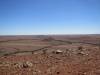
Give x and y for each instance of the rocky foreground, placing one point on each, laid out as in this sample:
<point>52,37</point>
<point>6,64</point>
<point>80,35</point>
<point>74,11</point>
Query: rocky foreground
<point>80,61</point>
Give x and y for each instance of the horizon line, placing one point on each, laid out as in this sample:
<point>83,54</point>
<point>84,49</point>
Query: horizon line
<point>42,34</point>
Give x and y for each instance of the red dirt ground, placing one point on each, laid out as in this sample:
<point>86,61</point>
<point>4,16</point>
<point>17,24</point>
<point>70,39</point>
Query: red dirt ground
<point>80,57</point>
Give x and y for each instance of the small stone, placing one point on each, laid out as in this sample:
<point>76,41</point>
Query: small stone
<point>58,72</point>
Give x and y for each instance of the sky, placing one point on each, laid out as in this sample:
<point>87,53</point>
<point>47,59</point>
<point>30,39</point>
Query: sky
<point>34,17</point>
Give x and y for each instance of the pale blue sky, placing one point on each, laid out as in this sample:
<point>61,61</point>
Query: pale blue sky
<point>27,17</point>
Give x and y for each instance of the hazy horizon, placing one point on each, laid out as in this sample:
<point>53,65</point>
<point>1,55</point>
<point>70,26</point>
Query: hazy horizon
<point>49,17</point>
<point>47,34</point>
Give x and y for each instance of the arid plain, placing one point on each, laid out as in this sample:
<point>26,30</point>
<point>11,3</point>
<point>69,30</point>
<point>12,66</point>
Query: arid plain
<point>50,55</point>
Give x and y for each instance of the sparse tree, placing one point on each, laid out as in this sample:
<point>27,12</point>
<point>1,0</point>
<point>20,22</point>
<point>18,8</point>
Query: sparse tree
<point>80,48</point>
<point>44,51</point>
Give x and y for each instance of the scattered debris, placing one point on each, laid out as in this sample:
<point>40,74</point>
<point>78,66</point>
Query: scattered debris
<point>57,52</point>
<point>27,64</point>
